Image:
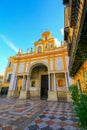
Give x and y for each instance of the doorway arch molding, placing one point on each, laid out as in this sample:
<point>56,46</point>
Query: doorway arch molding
<point>34,64</point>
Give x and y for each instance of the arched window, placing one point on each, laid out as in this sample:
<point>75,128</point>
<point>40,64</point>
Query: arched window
<point>45,37</point>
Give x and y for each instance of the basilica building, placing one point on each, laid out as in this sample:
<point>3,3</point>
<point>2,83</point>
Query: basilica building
<point>39,74</point>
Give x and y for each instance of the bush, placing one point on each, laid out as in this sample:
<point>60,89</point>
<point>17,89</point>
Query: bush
<point>74,93</point>
<point>80,100</point>
<point>81,111</point>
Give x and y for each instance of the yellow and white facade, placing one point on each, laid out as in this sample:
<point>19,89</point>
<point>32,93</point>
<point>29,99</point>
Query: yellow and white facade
<point>42,73</point>
<point>1,80</point>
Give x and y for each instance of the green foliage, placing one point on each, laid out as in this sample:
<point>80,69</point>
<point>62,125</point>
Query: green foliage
<point>74,93</point>
<point>80,101</point>
<point>81,111</point>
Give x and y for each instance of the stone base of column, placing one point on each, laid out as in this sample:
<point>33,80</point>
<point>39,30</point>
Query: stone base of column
<point>34,95</point>
<point>24,94</point>
<point>52,96</point>
<point>12,93</point>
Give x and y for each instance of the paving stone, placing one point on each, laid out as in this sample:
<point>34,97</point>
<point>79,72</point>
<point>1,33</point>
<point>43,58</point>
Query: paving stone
<point>46,119</point>
<point>42,125</point>
<point>27,128</point>
<point>52,117</point>
<point>56,120</point>
<point>61,129</point>
<point>7,128</point>
<point>63,118</point>
<point>68,127</point>
<point>56,115</point>
<point>55,126</point>
<point>42,116</point>
<point>33,127</point>
<point>73,119</point>
<point>47,128</point>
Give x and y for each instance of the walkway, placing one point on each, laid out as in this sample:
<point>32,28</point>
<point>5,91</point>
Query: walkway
<point>18,114</point>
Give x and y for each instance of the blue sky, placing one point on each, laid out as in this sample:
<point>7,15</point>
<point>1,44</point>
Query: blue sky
<point>22,23</point>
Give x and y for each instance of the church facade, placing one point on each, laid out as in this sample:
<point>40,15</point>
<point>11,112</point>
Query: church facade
<point>42,73</point>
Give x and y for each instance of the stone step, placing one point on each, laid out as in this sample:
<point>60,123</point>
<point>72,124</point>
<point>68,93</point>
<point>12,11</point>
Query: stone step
<point>29,120</point>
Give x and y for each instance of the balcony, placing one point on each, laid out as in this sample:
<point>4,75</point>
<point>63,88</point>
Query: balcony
<point>73,12</point>
<point>66,31</point>
<point>69,46</point>
<point>79,56</point>
<point>79,48</point>
<point>65,2</point>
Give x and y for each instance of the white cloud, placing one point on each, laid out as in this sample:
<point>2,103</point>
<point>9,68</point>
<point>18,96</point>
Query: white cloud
<point>9,43</point>
<point>62,31</point>
<point>58,43</point>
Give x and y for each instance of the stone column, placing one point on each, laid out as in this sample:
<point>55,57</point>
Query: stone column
<point>66,81</point>
<point>15,83</point>
<point>52,95</point>
<point>27,82</point>
<point>54,82</point>
<point>15,86</point>
<point>67,86</point>
<point>49,81</point>
<point>23,83</point>
<point>24,94</point>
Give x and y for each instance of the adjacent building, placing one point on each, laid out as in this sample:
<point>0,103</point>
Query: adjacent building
<point>1,82</point>
<point>42,73</point>
<point>1,79</point>
<point>75,35</point>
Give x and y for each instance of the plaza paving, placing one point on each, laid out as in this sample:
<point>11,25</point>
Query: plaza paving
<point>18,114</point>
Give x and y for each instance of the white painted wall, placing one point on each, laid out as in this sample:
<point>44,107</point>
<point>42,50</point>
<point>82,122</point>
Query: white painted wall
<point>59,64</point>
<point>11,87</point>
<point>27,69</point>
<point>21,68</point>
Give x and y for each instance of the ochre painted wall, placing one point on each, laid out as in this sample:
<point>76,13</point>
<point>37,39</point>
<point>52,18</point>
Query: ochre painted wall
<point>80,75</point>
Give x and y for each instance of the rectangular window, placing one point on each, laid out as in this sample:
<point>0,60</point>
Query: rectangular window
<point>9,78</point>
<point>9,64</point>
<point>60,83</point>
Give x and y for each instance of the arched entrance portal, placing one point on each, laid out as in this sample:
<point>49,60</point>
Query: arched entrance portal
<point>39,81</point>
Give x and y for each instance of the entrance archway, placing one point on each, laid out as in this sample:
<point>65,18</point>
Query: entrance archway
<point>39,81</point>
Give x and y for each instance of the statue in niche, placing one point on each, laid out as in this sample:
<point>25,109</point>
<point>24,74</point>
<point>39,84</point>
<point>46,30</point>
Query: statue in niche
<point>39,49</point>
<point>33,83</point>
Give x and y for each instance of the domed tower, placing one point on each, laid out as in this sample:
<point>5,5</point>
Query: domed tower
<point>46,35</point>
<point>47,42</point>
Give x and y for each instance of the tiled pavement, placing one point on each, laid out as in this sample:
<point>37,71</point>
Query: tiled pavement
<point>57,116</point>
<point>18,114</point>
<point>15,113</point>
